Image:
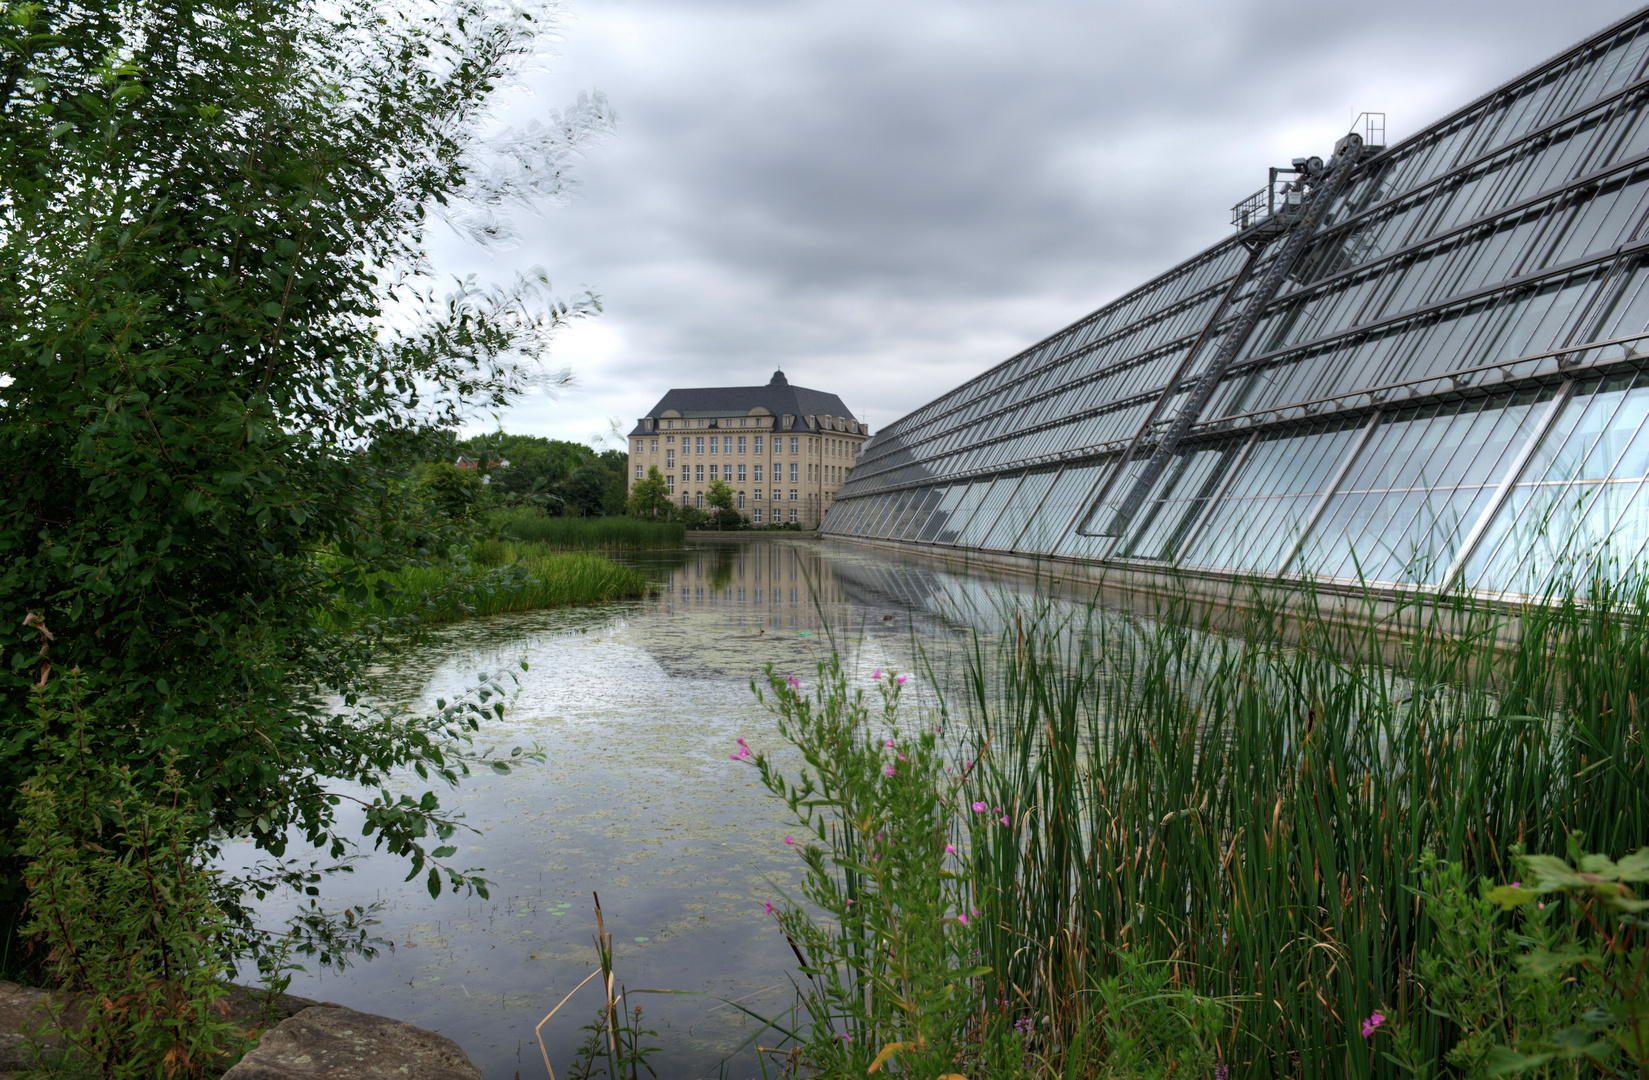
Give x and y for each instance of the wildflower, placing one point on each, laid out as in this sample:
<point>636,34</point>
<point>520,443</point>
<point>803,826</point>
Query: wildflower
<point>890,770</point>
<point>1023,1025</point>
<point>963,919</point>
<point>1005,819</point>
<point>901,680</point>
<point>875,675</point>
<point>793,681</point>
<point>903,758</point>
<point>1221,1072</point>
<point>979,808</point>
<point>1517,884</point>
<point>790,839</point>
<point>769,906</point>
<point>1374,1021</point>
<point>950,849</point>
<point>889,743</point>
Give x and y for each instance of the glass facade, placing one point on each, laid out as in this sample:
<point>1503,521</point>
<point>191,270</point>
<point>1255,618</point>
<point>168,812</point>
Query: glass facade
<point>1450,388</point>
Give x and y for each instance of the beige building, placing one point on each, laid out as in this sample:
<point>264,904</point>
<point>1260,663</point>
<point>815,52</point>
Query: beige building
<point>784,450</point>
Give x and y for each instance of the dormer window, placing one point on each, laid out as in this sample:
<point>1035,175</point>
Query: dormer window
<point>789,421</point>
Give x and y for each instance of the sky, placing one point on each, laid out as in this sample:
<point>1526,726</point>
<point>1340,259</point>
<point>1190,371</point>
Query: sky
<point>885,199</point>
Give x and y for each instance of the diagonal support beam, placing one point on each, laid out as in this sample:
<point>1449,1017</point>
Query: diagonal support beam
<point>1297,239</point>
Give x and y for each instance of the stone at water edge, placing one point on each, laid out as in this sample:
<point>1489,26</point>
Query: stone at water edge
<point>329,1042</point>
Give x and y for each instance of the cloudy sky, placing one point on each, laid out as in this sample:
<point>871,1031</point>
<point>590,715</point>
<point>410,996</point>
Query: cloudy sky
<point>886,198</point>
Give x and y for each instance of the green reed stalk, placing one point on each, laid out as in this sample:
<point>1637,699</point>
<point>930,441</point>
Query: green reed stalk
<point>1249,809</point>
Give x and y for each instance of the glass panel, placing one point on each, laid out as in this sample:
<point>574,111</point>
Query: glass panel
<point>1018,511</point>
<point>1069,493</point>
<point>990,508</point>
<point>1419,485</point>
<point>1260,513</point>
<point>1160,530</point>
<point>923,509</point>
<point>963,513</point>
<point>942,512</point>
<point>899,516</point>
<point>1558,518</point>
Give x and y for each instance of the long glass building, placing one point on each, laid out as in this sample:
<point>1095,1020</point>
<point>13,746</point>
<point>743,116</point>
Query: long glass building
<point>1421,364</point>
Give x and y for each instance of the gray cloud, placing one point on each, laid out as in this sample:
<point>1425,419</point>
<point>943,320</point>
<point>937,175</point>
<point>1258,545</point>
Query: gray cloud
<point>887,198</point>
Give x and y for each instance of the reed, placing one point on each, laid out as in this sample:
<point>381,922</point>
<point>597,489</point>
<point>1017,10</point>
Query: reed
<point>588,534</point>
<point>501,577</point>
<point>1247,811</point>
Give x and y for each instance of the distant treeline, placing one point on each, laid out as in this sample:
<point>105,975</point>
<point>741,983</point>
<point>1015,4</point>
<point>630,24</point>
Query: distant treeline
<point>577,480</point>
<point>585,534</point>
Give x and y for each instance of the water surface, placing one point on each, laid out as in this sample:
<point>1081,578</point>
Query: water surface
<point>636,705</point>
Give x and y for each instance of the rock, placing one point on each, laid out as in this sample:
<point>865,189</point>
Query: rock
<point>21,1009</point>
<point>329,1042</point>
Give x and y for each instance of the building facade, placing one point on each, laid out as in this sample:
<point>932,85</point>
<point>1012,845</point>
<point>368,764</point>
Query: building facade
<point>1421,364</point>
<point>784,450</point>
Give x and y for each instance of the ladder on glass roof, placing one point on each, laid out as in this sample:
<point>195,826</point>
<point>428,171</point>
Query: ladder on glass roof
<point>1291,211</point>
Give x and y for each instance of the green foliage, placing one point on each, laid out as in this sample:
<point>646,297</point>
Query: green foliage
<point>889,974</point>
<point>587,534</point>
<point>1564,981</point>
<point>121,902</point>
<point>650,497</point>
<point>204,214</point>
<point>455,492</point>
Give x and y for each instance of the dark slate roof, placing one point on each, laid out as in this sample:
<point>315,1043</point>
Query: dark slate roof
<point>778,397</point>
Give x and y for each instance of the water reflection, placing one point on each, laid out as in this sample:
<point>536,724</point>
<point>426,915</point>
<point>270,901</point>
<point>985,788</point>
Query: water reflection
<point>637,705</point>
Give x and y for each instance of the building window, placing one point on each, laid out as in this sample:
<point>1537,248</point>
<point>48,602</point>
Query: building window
<point>669,459</point>
<point>741,444</point>
<point>758,474</point>
<point>698,499</point>
<point>655,446</point>
<point>638,446</point>
<point>686,473</point>
<point>741,473</point>
<point>714,444</point>
<point>670,483</point>
<point>638,472</point>
<point>701,474</point>
<point>793,472</point>
<point>795,444</point>
<point>670,440</point>
<point>701,444</point>
<point>792,516</point>
<point>684,498</point>
<point>792,495</point>
<point>756,515</point>
<point>713,471</point>
<point>741,500</point>
<point>758,494</point>
<point>758,444</point>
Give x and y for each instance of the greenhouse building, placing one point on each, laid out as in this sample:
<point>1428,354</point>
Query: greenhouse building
<point>1421,364</point>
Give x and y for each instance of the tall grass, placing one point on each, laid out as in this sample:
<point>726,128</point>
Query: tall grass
<point>1247,811</point>
<point>589,534</point>
<point>501,577</point>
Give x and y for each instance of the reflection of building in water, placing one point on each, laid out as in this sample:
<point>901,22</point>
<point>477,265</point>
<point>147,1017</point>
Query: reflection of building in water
<point>785,584</point>
<point>784,450</point>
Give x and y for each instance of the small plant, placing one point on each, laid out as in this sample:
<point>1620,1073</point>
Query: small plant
<point>1560,983</point>
<point>885,931</point>
<point>122,904</point>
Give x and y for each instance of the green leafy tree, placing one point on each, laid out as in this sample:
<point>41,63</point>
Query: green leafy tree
<point>650,498</point>
<point>720,497</point>
<point>206,211</point>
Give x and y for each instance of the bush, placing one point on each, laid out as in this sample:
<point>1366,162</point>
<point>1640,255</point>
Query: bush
<point>586,534</point>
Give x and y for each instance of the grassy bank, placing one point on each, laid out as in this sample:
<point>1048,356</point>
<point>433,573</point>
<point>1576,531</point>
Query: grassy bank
<point>500,576</point>
<point>1179,852</point>
<point>588,534</point>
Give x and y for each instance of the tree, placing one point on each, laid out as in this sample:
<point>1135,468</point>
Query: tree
<point>206,212</point>
<point>720,496</point>
<point>650,498</point>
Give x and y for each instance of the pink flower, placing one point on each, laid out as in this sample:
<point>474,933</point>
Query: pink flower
<point>889,743</point>
<point>890,770</point>
<point>1005,819</point>
<point>950,849</point>
<point>1371,1023</point>
<point>963,919</point>
<point>979,808</point>
<point>793,681</point>
<point>790,839</point>
<point>876,675</point>
<point>903,758</point>
<point>1517,884</point>
<point>901,680</point>
<point>769,906</point>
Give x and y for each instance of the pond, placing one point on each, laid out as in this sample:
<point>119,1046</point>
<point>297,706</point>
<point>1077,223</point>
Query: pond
<point>636,705</point>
